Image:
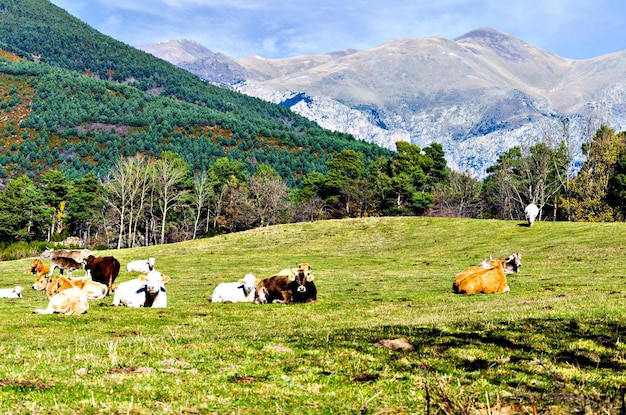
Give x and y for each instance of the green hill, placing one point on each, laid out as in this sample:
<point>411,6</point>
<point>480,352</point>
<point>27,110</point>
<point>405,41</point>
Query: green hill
<point>553,344</point>
<point>79,99</point>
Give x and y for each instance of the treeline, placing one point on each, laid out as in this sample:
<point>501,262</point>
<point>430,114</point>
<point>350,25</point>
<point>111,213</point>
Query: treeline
<point>148,201</point>
<point>544,175</point>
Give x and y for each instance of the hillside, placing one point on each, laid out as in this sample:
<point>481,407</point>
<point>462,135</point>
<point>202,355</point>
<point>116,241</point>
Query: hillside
<point>87,99</point>
<point>552,345</point>
<point>478,95</point>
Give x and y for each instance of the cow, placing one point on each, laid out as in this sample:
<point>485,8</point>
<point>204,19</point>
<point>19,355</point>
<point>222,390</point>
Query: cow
<point>104,269</point>
<point>63,263</point>
<point>78,255</point>
<point>295,288</point>
<point>531,212</point>
<point>236,292</point>
<point>39,267</point>
<point>145,291</point>
<point>15,292</point>
<point>478,280</point>
<point>69,301</point>
<point>93,290</point>
<point>141,265</point>
<point>511,266</point>
<point>74,258</point>
<point>53,285</point>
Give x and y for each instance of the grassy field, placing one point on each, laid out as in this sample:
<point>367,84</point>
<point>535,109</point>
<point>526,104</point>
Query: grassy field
<point>553,345</point>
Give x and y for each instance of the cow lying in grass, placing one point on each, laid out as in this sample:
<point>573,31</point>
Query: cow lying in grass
<point>141,265</point>
<point>38,267</point>
<point>70,301</point>
<point>145,291</point>
<point>15,292</point>
<point>53,285</point>
<point>298,287</point>
<point>236,292</point>
<point>478,280</point>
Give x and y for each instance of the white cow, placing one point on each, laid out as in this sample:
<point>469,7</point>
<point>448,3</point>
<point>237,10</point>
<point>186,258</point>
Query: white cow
<point>531,211</point>
<point>236,292</point>
<point>15,292</point>
<point>145,291</point>
<point>70,301</point>
<point>141,265</point>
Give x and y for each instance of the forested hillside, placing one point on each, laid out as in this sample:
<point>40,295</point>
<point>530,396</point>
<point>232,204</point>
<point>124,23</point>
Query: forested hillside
<point>82,106</point>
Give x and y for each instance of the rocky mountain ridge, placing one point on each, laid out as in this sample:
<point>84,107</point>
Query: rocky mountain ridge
<point>478,95</point>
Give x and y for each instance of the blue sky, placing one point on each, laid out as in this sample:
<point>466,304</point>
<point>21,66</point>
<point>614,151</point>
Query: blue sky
<point>576,29</point>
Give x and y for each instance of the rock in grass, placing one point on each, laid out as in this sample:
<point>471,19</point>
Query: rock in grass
<point>401,344</point>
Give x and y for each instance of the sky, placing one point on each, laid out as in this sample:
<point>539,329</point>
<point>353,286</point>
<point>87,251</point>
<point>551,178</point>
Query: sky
<point>575,29</point>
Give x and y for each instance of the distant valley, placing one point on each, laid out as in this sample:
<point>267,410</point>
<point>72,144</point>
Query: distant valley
<point>478,95</point>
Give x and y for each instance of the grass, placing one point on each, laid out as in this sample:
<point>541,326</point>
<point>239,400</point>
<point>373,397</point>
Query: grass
<point>553,345</point>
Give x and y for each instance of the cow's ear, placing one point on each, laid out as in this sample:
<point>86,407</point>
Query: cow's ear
<point>165,279</point>
<point>142,278</point>
<point>310,277</point>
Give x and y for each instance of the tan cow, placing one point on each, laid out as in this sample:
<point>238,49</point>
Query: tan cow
<point>70,301</point>
<point>478,280</point>
<point>92,289</point>
<point>53,285</point>
<point>39,267</point>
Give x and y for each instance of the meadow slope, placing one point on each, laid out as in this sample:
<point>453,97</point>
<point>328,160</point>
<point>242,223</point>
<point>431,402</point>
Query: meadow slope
<point>554,344</point>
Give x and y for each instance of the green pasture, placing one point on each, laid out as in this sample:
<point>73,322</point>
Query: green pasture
<point>553,345</point>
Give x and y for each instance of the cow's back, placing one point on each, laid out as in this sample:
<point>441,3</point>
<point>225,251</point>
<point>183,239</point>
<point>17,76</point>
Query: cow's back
<point>271,289</point>
<point>477,280</point>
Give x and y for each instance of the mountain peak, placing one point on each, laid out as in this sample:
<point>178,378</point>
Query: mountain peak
<point>177,51</point>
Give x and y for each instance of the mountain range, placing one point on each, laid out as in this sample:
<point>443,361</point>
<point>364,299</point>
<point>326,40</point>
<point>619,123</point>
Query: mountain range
<point>478,95</point>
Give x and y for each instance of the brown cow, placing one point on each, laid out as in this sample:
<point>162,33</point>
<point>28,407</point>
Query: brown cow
<point>478,280</point>
<point>296,288</point>
<point>104,269</point>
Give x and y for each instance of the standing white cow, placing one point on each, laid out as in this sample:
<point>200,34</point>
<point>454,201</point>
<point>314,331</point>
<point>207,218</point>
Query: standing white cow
<point>531,211</point>
<point>236,292</point>
<point>145,291</point>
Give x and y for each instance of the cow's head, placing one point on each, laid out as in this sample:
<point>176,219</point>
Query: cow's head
<point>514,262</point>
<point>300,278</point>
<point>155,282</point>
<point>57,285</point>
<point>248,283</point>
<point>42,281</point>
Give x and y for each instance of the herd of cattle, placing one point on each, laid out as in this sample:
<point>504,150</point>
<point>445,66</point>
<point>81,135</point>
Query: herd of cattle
<point>70,295</point>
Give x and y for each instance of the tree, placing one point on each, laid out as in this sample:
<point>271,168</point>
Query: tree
<point>588,194</point>
<point>460,196</point>
<point>85,206</point>
<point>519,178</point>
<point>268,194</point>
<point>170,180</point>
<point>54,189</point>
<point>20,210</point>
